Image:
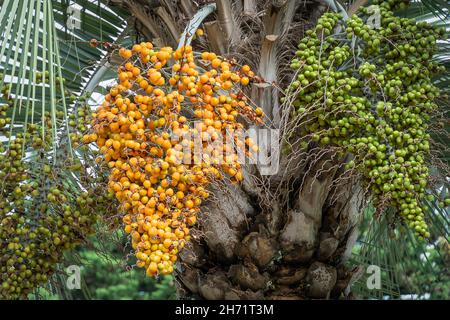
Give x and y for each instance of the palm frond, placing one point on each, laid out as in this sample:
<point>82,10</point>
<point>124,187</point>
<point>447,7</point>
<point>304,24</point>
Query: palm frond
<point>35,38</point>
<point>403,261</point>
<point>439,8</point>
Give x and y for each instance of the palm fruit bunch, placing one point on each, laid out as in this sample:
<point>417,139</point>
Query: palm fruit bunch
<point>368,91</point>
<point>164,102</point>
<point>79,122</point>
<point>42,211</point>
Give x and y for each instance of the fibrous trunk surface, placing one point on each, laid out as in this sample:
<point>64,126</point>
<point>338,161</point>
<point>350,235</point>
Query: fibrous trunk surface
<point>237,254</point>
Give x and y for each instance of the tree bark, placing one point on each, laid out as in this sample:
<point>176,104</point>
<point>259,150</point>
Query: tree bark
<point>233,255</point>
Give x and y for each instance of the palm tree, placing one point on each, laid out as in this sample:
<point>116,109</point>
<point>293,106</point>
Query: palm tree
<point>288,235</point>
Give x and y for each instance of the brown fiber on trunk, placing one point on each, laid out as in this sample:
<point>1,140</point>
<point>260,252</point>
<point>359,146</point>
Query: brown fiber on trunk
<point>234,256</point>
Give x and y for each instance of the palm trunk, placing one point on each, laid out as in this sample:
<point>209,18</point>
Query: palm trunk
<point>281,237</point>
<point>235,255</point>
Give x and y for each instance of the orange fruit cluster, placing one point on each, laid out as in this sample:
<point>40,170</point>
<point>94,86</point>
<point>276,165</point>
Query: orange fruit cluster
<point>144,130</point>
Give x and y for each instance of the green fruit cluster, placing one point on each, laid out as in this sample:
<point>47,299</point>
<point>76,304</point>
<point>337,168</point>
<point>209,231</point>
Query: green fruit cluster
<point>78,122</point>
<point>42,213</point>
<point>368,91</point>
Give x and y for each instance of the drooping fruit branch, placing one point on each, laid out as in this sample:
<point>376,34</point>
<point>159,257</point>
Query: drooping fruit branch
<point>161,130</point>
<point>367,91</point>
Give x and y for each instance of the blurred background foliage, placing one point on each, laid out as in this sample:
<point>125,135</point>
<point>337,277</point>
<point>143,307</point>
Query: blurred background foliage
<point>410,269</point>
<point>106,275</point>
